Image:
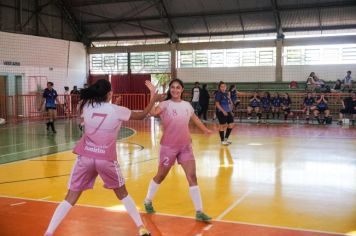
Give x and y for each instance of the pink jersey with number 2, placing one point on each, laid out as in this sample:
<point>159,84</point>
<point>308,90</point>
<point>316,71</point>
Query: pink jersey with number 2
<point>175,117</point>
<point>102,123</point>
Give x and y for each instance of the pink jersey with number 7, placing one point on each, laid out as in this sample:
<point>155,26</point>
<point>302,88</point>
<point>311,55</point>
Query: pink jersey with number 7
<point>102,123</point>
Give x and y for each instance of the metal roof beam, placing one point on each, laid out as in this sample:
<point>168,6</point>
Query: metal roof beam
<point>165,16</point>
<point>72,21</point>
<point>102,2</point>
<point>277,19</point>
<point>272,30</point>
<point>229,12</point>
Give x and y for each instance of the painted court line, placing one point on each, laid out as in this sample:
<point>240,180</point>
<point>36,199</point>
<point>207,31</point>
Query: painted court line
<point>35,149</point>
<point>19,203</point>
<point>45,198</point>
<point>233,205</point>
<point>10,145</point>
<point>33,158</point>
<point>240,199</point>
<point>187,217</point>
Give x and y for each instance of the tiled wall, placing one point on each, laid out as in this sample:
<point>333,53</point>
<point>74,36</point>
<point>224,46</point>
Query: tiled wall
<point>62,62</point>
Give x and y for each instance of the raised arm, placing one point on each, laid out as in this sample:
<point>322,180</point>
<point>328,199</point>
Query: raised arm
<point>155,110</point>
<point>154,98</point>
<point>140,115</point>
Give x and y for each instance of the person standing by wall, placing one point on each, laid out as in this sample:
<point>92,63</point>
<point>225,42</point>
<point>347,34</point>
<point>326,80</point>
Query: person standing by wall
<point>50,97</point>
<point>74,99</point>
<point>195,97</point>
<point>204,102</point>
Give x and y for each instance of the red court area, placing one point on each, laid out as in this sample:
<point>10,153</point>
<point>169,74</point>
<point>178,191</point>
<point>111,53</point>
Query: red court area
<point>93,221</point>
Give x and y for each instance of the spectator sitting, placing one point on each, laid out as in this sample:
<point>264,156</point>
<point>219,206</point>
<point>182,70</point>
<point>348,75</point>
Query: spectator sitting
<point>347,81</point>
<point>254,105</point>
<point>276,105</point>
<point>348,107</point>
<point>286,103</point>
<point>311,82</point>
<point>322,106</point>
<point>266,104</point>
<point>233,96</point>
<point>337,87</point>
<point>308,104</point>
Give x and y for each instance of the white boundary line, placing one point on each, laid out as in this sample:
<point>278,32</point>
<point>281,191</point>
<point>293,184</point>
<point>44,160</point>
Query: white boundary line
<point>187,217</point>
<point>35,149</point>
<point>233,205</point>
<point>10,145</point>
<point>48,155</point>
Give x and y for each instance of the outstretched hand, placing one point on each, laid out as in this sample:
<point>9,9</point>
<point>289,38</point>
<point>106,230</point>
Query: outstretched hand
<point>158,97</point>
<point>151,87</point>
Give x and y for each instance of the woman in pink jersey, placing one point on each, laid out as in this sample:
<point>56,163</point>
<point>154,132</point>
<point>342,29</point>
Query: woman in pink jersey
<point>176,145</point>
<point>97,151</point>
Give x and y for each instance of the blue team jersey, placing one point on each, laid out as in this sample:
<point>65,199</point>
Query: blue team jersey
<point>223,99</point>
<point>255,102</point>
<point>233,95</point>
<point>276,102</point>
<point>322,104</point>
<point>286,102</point>
<point>266,102</point>
<point>50,96</point>
<point>309,101</point>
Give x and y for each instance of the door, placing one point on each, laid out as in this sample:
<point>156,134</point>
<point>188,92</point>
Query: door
<point>2,96</point>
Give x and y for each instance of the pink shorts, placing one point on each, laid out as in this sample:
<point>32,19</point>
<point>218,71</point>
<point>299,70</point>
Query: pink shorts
<point>86,169</point>
<point>168,155</point>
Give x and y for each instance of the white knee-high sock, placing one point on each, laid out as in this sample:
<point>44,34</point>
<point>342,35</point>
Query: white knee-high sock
<point>58,216</point>
<point>195,195</point>
<point>152,189</point>
<point>131,209</point>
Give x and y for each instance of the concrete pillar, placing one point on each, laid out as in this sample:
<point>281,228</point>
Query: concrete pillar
<point>129,63</point>
<point>173,60</point>
<point>279,58</point>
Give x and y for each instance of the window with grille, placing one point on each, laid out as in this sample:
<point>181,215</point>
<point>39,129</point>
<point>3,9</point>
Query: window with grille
<point>320,54</point>
<point>151,62</point>
<point>108,63</point>
<point>227,58</point>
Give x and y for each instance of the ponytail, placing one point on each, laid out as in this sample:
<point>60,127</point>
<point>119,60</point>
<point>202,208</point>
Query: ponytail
<point>96,93</point>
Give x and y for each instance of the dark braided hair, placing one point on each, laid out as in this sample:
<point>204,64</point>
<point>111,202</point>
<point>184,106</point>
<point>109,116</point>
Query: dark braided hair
<point>96,93</point>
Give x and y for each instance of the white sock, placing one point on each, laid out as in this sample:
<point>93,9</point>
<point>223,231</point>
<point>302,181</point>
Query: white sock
<point>132,210</point>
<point>58,216</point>
<point>152,189</point>
<point>195,195</point>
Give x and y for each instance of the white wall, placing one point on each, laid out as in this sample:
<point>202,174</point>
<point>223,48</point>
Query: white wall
<point>325,72</point>
<point>264,73</point>
<point>38,54</point>
<point>228,74</point>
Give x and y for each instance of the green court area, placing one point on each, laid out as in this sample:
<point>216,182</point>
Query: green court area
<point>28,140</point>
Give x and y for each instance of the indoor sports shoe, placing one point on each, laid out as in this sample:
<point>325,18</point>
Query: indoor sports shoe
<point>225,143</point>
<point>201,216</point>
<point>149,208</point>
<point>228,142</point>
<point>144,232</point>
